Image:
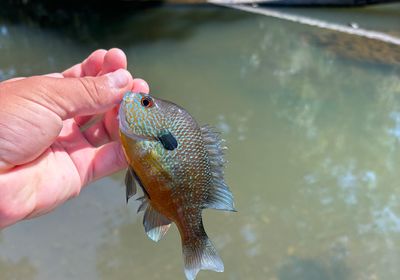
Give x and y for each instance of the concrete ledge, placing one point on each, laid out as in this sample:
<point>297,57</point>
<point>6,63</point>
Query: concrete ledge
<point>307,2</point>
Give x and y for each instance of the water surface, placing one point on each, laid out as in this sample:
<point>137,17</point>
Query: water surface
<point>314,152</point>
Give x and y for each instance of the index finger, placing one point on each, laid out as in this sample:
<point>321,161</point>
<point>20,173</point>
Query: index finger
<point>91,66</point>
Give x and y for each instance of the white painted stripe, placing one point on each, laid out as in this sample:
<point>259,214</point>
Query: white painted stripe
<point>381,36</point>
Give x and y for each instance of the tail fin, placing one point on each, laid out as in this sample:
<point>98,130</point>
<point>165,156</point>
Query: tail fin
<point>200,254</point>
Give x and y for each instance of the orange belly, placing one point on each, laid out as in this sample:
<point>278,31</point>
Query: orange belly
<point>153,177</point>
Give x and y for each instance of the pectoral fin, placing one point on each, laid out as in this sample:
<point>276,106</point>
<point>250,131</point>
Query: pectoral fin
<point>131,179</point>
<point>168,141</point>
<point>130,184</point>
<point>143,203</point>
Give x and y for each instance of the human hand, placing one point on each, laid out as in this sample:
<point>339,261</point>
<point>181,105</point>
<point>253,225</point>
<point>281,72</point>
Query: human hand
<point>45,159</point>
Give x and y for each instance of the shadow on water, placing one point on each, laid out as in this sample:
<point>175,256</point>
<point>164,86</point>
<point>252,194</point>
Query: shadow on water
<point>83,30</point>
<point>122,24</point>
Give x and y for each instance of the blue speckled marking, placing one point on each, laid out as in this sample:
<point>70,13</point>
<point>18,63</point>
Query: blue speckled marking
<point>127,95</point>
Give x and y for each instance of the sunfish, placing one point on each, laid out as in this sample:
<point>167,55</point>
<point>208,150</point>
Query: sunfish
<point>179,166</point>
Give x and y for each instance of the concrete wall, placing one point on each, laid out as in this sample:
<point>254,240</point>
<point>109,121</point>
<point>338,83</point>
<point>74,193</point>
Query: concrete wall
<point>304,2</point>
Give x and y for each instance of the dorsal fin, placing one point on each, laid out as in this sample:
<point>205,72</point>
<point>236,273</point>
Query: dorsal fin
<point>220,197</point>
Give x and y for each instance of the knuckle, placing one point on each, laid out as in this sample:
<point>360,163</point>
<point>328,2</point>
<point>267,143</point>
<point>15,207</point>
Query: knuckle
<point>93,90</point>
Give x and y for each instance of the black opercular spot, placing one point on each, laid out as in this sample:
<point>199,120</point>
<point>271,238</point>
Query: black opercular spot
<point>168,141</point>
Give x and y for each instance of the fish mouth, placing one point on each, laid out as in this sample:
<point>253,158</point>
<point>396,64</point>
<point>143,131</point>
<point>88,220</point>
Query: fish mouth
<point>124,128</point>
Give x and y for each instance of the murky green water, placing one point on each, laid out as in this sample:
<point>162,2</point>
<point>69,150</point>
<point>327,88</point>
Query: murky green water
<point>314,158</point>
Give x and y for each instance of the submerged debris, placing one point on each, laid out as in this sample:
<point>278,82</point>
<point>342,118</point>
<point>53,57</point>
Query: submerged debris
<point>357,48</point>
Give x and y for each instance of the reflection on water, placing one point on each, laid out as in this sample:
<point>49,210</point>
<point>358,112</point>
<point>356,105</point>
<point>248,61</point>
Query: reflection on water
<point>314,149</point>
<point>101,25</point>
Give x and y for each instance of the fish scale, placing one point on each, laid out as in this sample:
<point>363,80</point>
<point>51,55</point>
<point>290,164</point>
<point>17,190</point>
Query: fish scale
<point>179,166</point>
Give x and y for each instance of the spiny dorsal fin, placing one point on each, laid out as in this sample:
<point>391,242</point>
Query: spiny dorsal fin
<point>130,184</point>
<point>220,197</point>
<point>155,224</point>
<point>215,146</point>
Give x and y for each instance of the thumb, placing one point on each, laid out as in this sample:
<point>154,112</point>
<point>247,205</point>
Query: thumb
<point>70,97</point>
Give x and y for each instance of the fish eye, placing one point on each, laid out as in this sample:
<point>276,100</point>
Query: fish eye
<point>147,101</point>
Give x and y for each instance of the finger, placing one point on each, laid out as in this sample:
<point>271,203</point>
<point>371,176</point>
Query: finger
<point>113,60</point>
<point>74,71</point>
<point>92,65</point>
<point>92,121</point>
<point>54,75</point>
<point>106,160</point>
<point>111,123</point>
<point>71,138</point>
<point>71,97</point>
<point>90,162</point>
<point>108,129</point>
<point>95,163</point>
<point>81,120</point>
<point>140,85</point>
<point>89,67</point>
<point>105,130</point>
<point>97,134</point>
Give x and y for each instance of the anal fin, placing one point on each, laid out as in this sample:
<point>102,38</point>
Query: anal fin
<point>155,224</point>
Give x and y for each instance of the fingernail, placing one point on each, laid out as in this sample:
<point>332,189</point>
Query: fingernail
<point>119,79</point>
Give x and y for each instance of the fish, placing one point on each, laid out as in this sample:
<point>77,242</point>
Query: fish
<point>179,166</point>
